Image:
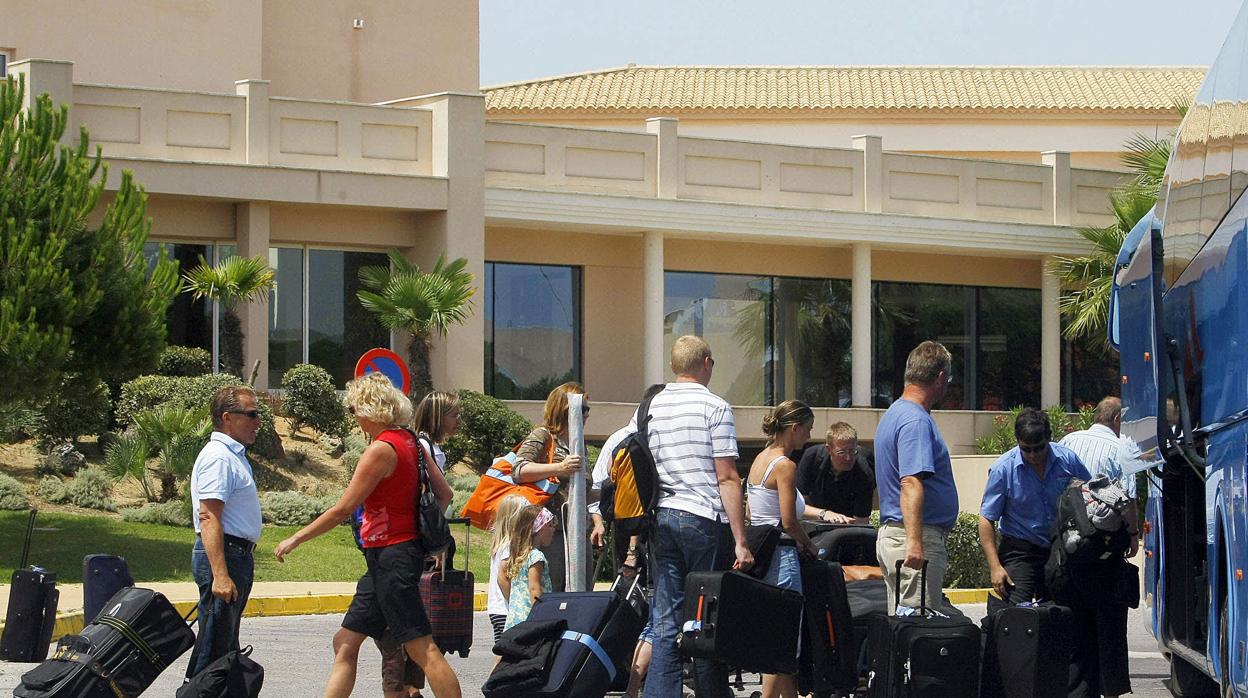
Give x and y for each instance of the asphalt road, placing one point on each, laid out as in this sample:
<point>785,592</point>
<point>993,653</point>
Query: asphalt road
<point>295,653</point>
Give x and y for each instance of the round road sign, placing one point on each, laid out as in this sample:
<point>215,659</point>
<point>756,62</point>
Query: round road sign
<point>389,364</point>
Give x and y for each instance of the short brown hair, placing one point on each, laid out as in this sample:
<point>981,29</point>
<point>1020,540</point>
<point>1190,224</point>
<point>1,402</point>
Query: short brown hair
<point>1108,410</point>
<point>431,413</point>
<point>926,362</point>
<point>227,399</point>
<point>688,353</point>
<point>555,416</point>
<point>840,431</point>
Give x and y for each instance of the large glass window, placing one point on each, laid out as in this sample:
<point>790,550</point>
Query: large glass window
<point>189,321</point>
<point>733,314</point>
<point>1089,371</point>
<point>992,333</point>
<point>533,329</point>
<point>812,327</point>
<point>336,329</point>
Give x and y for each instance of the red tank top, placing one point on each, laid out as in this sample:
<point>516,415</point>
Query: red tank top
<point>390,511</point>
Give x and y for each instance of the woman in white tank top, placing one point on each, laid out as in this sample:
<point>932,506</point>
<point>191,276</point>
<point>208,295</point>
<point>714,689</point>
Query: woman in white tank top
<point>771,487</point>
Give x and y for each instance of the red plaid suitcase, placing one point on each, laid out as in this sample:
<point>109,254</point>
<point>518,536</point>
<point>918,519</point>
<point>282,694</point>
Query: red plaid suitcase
<point>448,598</point>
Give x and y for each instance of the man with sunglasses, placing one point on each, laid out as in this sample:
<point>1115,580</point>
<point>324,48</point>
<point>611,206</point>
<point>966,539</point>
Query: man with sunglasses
<point>835,476</point>
<point>1021,494</point>
<point>226,508</point>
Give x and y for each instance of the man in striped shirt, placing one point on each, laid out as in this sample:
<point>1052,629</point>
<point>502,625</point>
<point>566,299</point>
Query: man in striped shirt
<point>693,439</point>
<point>1104,452</point>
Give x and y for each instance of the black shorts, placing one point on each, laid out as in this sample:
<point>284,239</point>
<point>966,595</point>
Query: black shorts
<point>388,595</point>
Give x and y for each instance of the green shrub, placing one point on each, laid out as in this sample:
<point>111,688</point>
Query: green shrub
<point>195,392</point>
<point>12,494</point>
<point>487,429</point>
<point>61,459</point>
<point>462,486</point>
<point>291,508</point>
<point>1001,438</point>
<point>91,489</point>
<point>52,490</point>
<point>310,400</point>
<point>18,423</point>
<point>967,567</point>
<point>184,361</point>
<point>76,408</point>
<point>172,513</point>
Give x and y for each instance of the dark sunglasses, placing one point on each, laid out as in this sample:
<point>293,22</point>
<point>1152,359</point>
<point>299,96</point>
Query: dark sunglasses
<point>250,414</point>
<point>1032,449</point>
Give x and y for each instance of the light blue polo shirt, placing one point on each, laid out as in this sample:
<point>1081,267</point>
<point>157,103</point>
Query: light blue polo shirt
<point>223,472</point>
<point>1024,503</point>
<point>908,443</point>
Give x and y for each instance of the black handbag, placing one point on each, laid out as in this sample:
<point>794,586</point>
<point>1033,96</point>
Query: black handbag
<point>234,675</point>
<point>435,532</point>
<point>762,540</point>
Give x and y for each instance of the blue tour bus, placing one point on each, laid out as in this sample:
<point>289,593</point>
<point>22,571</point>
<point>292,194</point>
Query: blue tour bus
<point>1179,319</point>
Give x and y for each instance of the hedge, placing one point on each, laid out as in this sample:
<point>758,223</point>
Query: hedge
<point>192,392</point>
<point>311,400</point>
<point>487,429</point>
<point>12,494</point>
<point>184,361</point>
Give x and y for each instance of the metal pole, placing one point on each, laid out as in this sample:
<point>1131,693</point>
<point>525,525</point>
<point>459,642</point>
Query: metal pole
<point>577,529</point>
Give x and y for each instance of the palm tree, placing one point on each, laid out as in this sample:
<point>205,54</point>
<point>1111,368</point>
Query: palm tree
<point>421,303</point>
<point>1087,281</point>
<point>234,281</point>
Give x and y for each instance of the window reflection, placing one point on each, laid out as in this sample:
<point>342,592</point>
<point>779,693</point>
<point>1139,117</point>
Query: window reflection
<point>812,326</point>
<point>340,330</point>
<point>532,321</point>
<point>731,312</point>
<point>285,312</point>
<point>189,322</point>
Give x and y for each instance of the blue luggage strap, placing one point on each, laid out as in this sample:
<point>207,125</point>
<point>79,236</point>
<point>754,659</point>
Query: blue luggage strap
<point>594,647</point>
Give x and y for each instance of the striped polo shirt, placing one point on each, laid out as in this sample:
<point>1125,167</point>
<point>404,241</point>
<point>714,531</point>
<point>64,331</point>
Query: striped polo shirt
<point>689,428</point>
<point>1103,453</point>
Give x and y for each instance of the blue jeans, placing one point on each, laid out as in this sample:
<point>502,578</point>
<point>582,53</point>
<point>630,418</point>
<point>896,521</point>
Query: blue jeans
<point>218,620</point>
<point>683,543</point>
<point>785,570</point>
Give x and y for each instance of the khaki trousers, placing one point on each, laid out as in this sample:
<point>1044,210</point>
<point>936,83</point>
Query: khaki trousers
<point>890,547</point>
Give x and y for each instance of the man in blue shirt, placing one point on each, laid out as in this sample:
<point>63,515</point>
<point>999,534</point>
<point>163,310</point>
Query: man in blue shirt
<point>918,497</point>
<point>226,513</point>
<point>1023,487</point>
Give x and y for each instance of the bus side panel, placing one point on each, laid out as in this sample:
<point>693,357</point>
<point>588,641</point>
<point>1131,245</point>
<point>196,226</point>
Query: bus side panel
<point>1154,562</point>
<point>1225,455</point>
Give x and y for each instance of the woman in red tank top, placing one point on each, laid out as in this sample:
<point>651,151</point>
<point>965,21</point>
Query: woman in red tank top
<point>386,482</point>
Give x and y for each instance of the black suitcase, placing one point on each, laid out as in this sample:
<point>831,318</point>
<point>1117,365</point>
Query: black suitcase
<point>741,621</point>
<point>829,659</point>
<point>922,656</point>
<point>137,636</point>
<point>31,616</point>
<point>596,652</point>
<point>102,577</point>
<point>848,544</point>
<point>1028,652</point>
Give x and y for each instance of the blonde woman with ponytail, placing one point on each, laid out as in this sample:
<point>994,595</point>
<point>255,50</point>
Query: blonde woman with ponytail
<point>774,500</point>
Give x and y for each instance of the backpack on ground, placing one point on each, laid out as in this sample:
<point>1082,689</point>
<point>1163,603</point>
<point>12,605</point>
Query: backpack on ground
<point>630,495</point>
<point>235,675</point>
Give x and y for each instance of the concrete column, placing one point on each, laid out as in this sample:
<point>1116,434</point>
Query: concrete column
<point>458,360</point>
<point>1050,337</point>
<point>252,231</point>
<point>1063,207</point>
<point>53,78</point>
<point>654,363</point>
<point>861,333</point>
<point>668,177</point>
<point>257,94</point>
<point>872,171</point>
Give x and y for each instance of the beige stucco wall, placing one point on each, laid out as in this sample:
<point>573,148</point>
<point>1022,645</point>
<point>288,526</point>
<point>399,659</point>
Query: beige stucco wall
<point>1094,142</point>
<point>306,48</point>
<point>190,45</point>
<point>405,48</point>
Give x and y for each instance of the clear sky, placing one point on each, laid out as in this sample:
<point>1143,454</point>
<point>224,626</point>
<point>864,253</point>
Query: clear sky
<point>526,39</point>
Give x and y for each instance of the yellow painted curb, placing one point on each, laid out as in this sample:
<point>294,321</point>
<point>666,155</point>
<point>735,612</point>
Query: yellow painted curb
<point>967,596</point>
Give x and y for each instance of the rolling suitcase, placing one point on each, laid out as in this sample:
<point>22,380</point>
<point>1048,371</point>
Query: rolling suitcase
<point>922,656</point>
<point>102,577</point>
<point>1028,652</point>
<point>137,636</point>
<point>596,651</point>
<point>829,660</point>
<point>741,621</point>
<point>31,616</point>
<point>848,544</point>
<point>866,598</point>
<point>448,597</point>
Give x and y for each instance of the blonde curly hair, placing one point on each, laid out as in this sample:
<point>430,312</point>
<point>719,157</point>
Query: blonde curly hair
<point>374,397</point>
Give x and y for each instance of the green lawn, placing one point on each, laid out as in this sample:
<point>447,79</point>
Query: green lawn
<point>157,553</point>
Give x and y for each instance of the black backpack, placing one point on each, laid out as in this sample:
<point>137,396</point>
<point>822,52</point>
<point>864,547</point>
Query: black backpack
<point>235,675</point>
<point>630,495</point>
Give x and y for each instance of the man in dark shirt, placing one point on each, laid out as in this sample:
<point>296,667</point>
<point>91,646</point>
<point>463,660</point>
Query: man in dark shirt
<point>836,476</point>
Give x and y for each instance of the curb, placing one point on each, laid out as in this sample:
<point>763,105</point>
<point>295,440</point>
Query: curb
<point>313,605</point>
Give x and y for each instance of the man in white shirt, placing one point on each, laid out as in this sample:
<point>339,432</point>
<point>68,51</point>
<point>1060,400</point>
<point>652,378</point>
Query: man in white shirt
<point>1101,447</point>
<point>693,439</point>
<point>225,509</point>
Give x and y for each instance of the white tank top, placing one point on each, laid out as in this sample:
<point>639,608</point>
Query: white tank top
<point>765,503</point>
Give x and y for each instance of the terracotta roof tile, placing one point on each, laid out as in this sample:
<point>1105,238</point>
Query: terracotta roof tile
<point>761,89</point>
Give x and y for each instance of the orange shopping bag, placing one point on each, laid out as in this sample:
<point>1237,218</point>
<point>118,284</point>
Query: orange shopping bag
<point>497,483</point>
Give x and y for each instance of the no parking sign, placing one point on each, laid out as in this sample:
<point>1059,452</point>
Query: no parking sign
<point>388,364</point>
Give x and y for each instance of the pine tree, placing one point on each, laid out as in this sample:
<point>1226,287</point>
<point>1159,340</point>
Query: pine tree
<point>76,297</point>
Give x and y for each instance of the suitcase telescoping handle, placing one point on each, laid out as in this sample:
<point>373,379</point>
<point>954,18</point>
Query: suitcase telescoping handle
<point>467,544</point>
<point>30,531</point>
<point>922,587</point>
